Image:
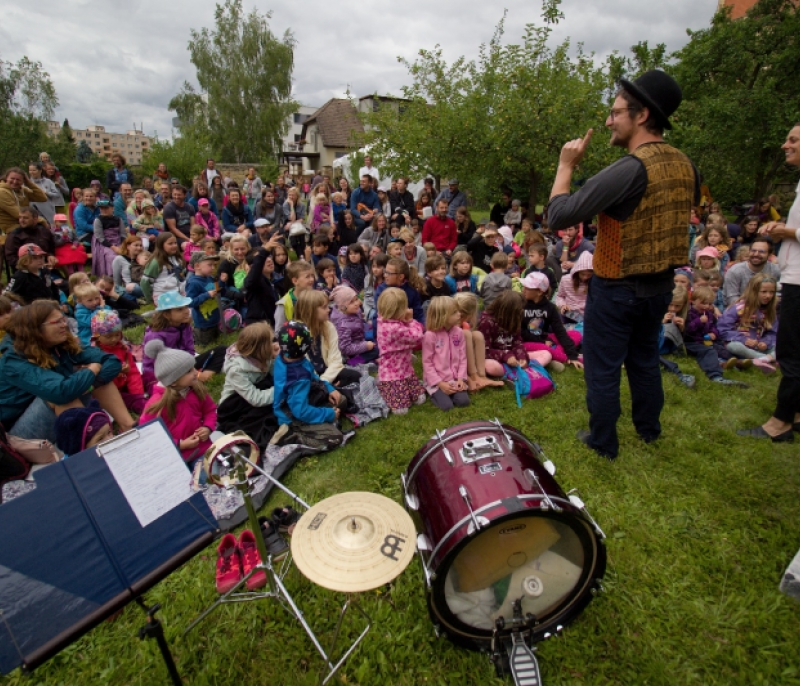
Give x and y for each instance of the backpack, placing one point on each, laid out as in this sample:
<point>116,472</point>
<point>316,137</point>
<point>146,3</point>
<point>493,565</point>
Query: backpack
<point>531,382</point>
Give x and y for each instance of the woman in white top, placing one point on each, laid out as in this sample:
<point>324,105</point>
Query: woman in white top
<point>785,420</point>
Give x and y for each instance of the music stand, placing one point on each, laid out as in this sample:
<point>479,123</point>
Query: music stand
<point>237,463</point>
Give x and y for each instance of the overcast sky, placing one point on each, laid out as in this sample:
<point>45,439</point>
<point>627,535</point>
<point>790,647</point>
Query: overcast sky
<point>115,63</point>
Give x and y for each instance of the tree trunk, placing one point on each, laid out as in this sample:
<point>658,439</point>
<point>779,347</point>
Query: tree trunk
<point>763,179</point>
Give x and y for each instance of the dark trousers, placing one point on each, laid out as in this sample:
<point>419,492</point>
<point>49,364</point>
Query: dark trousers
<point>787,351</point>
<point>622,328</point>
<point>708,357</point>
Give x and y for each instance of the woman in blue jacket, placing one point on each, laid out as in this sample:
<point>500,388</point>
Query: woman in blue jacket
<point>44,371</point>
<point>236,213</point>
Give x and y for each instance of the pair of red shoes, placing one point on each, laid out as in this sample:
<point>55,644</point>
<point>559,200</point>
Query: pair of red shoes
<point>235,560</point>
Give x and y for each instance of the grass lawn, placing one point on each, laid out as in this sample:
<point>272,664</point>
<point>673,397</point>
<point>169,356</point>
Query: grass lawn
<point>700,527</point>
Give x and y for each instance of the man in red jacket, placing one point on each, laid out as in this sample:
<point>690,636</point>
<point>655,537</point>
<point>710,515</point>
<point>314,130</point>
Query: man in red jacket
<point>441,230</point>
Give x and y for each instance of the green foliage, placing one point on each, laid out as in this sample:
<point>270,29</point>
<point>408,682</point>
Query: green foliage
<point>185,157</point>
<point>80,175</point>
<point>740,98</point>
<point>27,100</point>
<point>497,122</point>
<point>84,153</point>
<point>245,72</point>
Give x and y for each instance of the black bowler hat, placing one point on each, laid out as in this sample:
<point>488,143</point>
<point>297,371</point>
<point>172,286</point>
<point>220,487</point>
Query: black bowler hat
<point>657,91</point>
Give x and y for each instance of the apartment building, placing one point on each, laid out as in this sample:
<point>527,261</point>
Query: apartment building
<point>130,144</point>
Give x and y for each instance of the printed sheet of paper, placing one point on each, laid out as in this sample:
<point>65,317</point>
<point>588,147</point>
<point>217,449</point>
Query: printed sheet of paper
<point>150,472</point>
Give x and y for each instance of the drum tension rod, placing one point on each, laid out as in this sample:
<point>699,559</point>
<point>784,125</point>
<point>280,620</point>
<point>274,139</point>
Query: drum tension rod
<point>508,438</point>
<point>447,455</point>
<point>463,491</point>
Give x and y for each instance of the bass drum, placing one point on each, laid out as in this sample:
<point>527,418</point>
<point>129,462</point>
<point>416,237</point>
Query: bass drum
<point>496,528</point>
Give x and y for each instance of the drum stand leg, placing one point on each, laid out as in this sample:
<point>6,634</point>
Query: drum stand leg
<point>349,603</point>
<point>277,590</point>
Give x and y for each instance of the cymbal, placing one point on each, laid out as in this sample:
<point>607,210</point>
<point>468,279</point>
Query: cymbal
<point>353,542</point>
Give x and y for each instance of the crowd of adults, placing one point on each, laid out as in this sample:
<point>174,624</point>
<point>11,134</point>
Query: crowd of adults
<point>45,370</point>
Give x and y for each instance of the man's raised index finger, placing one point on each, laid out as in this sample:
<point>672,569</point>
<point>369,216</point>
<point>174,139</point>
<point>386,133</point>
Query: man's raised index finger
<point>587,138</point>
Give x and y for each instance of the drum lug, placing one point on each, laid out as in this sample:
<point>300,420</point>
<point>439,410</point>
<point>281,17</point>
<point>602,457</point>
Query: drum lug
<point>577,502</point>
<point>424,546</point>
<point>465,495</point>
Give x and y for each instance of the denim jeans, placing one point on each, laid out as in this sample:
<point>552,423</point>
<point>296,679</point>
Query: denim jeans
<point>37,422</point>
<point>620,327</point>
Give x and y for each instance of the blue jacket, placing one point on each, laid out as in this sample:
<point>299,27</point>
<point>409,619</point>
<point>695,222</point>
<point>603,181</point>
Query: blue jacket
<point>205,311</point>
<point>84,317</point>
<point>120,209</point>
<point>368,198</point>
<point>230,225</point>
<point>473,283</point>
<point>84,220</point>
<point>21,381</point>
<point>292,385</point>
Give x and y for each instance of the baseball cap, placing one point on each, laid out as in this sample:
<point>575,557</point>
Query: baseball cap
<point>199,256</point>
<point>103,203</point>
<point>536,280</point>
<point>203,201</point>
<point>30,249</point>
<point>261,222</point>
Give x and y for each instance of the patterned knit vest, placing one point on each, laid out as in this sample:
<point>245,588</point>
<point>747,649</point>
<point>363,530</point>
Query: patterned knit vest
<point>656,236</point>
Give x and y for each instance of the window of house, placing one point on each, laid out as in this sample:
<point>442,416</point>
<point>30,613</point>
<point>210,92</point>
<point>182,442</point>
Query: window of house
<point>300,118</point>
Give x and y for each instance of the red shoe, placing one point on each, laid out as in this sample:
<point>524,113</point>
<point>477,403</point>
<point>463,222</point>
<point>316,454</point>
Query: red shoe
<point>229,566</point>
<point>251,558</point>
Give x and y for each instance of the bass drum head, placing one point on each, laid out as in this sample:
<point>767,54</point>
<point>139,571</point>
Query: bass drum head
<point>550,561</point>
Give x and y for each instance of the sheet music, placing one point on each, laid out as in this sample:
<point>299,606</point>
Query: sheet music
<point>149,471</point>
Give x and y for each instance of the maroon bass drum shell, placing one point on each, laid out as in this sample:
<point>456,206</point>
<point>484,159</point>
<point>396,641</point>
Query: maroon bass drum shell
<point>494,530</point>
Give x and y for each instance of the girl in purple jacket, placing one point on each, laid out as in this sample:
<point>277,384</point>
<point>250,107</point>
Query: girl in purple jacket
<point>444,355</point>
<point>172,324</point>
<point>346,316</point>
<point>749,327</point>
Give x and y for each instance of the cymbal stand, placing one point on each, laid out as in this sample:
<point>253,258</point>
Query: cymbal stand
<point>277,589</point>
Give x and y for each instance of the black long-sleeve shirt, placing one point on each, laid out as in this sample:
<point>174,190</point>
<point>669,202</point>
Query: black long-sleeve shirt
<point>260,294</point>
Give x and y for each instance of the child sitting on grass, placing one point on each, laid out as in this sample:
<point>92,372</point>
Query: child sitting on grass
<point>497,281</point>
<point>31,280</point>
<point>260,294</point>
<point>107,335</point>
<point>320,250</point>
<point>374,280</point>
<point>500,326</point>
<point>207,219</point>
<point>197,234</point>
<point>326,276</point>
<point>165,270</point>
<point>246,400</point>
<point>444,355</point>
<point>347,318</point>
<point>301,277</point>
<point>295,380</point>
<point>202,289</point>
<point>749,327</point>
<point>461,279</point>
<point>537,261</point>
<point>574,289</point>
<point>355,273</point>
<point>702,339</point>
<point>435,278</point>
<point>475,343</point>
<point>88,301</point>
<point>398,335</point>
<point>181,400</point>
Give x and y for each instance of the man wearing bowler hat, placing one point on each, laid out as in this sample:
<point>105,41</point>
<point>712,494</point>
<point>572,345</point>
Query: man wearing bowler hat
<point>644,202</point>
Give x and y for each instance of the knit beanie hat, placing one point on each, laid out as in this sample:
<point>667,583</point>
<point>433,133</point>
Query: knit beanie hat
<point>105,322</point>
<point>170,365</point>
<point>294,339</point>
<point>685,272</point>
<point>342,296</point>
<point>75,427</point>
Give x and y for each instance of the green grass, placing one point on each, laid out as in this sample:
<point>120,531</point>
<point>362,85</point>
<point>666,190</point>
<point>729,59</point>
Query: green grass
<point>700,527</point>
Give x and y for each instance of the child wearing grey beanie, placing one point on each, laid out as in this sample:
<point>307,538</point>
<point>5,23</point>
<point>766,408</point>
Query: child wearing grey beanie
<point>180,400</point>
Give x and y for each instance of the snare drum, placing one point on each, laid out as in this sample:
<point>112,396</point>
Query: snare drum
<point>495,528</point>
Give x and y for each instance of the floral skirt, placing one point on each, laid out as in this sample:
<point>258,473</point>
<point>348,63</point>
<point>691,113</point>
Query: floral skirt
<point>401,394</point>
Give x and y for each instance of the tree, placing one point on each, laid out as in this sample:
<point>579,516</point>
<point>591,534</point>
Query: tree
<point>185,157</point>
<point>84,154</point>
<point>740,98</point>
<point>498,122</point>
<point>63,149</point>
<point>245,73</point>
<point>27,100</point>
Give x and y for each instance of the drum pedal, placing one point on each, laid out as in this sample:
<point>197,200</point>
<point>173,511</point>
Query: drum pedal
<point>523,663</point>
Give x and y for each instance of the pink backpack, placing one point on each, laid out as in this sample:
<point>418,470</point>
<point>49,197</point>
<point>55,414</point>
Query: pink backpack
<point>531,382</point>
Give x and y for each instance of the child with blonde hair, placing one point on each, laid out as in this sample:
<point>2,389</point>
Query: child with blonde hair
<point>399,334</point>
<point>197,234</point>
<point>475,343</point>
<point>444,355</point>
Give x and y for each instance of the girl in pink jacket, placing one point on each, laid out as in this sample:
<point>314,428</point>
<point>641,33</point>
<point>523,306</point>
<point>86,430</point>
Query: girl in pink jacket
<point>398,335</point>
<point>181,400</point>
<point>574,288</point>
<point>444,355</point>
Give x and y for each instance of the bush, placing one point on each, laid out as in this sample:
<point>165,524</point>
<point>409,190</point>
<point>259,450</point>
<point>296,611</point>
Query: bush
<point>80,175</point>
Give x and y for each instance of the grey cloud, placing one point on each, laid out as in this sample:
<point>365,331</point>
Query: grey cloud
<point>116,63</point>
